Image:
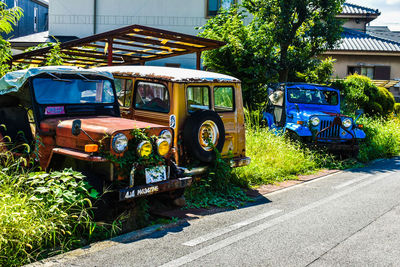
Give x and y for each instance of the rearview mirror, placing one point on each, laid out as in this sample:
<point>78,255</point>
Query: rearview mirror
<point>76,127</point>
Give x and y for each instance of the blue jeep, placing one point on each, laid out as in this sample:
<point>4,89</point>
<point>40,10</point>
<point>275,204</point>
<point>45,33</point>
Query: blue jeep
<point>310,113</point>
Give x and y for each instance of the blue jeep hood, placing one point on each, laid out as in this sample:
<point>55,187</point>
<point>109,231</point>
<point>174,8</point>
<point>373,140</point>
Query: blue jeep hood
<point>305,113</point>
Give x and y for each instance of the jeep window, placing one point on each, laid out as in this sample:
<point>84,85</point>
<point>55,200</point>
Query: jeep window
<point>124,90</point>
<point>198,97</point>
<point>311,96</point>
<point>223,98</point>
<point>152,97</point>
<point>72,91</point>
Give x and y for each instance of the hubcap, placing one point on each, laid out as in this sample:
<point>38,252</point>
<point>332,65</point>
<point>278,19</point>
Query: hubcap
<point>208,134</point>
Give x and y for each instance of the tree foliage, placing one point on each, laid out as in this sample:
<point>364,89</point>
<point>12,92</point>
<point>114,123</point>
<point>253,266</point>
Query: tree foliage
<point>320,72</point>
<point>271,40</point>
<point>9,17</point>
<point>359,92</point>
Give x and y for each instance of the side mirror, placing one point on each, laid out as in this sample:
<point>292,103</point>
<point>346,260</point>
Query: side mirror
<point>359,112</point>
<point>76,127</point>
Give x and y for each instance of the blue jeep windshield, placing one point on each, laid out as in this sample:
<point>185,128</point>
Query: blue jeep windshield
<point>312,96</point>
<point>72,91</point>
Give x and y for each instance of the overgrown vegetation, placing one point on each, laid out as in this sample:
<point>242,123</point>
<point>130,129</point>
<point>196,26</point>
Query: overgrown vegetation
<point>359,92</point>
<point>42,214</point>
<point>219,188</point>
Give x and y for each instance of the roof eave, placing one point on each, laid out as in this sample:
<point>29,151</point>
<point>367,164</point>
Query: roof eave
<point>362,53</point>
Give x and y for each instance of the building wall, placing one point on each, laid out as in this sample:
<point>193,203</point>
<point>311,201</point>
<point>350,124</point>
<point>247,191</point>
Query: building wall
<point>26,23</point>
<point>343,61</point>
<point>355,24</point>
<point>76,18</point>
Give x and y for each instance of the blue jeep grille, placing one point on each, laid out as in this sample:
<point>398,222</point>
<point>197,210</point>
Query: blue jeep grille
<point>331,132</point>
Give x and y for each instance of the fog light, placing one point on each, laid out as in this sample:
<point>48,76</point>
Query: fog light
<point>144,149</point>
<point>162,147</point>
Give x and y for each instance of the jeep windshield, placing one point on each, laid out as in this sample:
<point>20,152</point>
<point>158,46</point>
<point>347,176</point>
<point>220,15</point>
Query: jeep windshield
<point>312,96</point>
<point>73,91</point>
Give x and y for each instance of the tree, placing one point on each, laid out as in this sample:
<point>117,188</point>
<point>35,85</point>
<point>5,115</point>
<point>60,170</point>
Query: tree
<point>320,72</point>
<point>300,29</point>
<point>8,19</point>
<point>281,38</point>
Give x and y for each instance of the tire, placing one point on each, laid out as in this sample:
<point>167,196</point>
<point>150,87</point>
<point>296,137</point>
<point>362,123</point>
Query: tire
<point>198,126</point>
<point>293,137</point>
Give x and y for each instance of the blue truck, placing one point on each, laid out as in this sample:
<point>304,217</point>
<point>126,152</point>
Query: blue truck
<point>310,113</point>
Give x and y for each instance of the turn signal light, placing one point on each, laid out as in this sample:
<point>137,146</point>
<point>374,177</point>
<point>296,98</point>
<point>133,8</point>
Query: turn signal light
<point>300,122</point>
<point>360,126</point>
<point>91,148</point>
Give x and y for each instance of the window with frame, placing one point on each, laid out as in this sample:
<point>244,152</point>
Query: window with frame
<point>152,97</point>
<point>223,98</point>
<point>213,6</point>
<point>124,88</point>
<point>378,72</point>
<point>198,97</point>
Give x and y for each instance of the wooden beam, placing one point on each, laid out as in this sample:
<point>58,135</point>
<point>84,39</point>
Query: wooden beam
<point>198,60</point>
<point>110,51</point>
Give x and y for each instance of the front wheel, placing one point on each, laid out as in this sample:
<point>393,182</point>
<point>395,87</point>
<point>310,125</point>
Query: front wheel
<point>293,137</point>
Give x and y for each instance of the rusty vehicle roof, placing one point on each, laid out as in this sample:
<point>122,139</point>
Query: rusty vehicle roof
<point>169,74</point>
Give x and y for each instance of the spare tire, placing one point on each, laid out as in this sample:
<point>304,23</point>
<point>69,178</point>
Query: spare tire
<point>201,126</point>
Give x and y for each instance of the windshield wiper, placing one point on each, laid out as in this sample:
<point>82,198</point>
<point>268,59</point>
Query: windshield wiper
<point>56,78</point>
<point>85,78</point>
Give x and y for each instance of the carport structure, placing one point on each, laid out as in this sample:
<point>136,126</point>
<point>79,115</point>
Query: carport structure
<point>130,45</point>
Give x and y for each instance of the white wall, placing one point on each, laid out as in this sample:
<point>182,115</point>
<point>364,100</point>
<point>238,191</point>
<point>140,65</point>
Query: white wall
<point>76,17</point>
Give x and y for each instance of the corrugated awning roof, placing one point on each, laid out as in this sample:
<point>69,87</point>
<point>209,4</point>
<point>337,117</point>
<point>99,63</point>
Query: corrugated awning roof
<point>135,44</point>
<point>358,41</point>
<point>352,9</point>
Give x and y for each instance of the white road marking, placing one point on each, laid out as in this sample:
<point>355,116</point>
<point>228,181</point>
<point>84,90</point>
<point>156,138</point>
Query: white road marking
<point>222,231</point>
<point>254,230</point>
<point>340,186</point>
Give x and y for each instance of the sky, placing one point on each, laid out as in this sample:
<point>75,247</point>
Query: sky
<point>390,12</point>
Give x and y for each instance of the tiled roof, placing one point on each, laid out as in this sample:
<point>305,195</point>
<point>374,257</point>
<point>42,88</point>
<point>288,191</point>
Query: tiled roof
<point>384,32</point>
<point>359,41</point>
<point>359,10</point>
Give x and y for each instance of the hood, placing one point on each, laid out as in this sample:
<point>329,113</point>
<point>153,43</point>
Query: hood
<point>98,128</point>
<point>306,113</point>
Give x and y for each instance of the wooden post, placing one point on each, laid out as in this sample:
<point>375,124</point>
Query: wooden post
<point>110,52</point>
<point>198,60</point>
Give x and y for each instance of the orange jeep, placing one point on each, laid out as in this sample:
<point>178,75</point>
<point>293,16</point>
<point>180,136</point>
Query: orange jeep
<point>200,106</point>
<point>71,118</point>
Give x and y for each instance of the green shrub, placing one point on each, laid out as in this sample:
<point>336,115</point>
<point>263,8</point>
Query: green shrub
<point>42,214</point>
<point>359,92</point>
<point>397,108</point>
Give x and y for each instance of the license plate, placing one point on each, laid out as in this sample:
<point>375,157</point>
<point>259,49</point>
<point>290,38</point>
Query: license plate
<point>156,174</point>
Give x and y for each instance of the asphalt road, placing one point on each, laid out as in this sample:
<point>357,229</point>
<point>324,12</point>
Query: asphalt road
<point>350,218</point>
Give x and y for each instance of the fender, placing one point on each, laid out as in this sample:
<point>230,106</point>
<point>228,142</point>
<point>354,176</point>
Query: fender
<point>359,134</point>
<point>299,129</point>
<point>269,118</point>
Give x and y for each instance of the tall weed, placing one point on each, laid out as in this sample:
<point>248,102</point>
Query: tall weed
<point>42,214</point>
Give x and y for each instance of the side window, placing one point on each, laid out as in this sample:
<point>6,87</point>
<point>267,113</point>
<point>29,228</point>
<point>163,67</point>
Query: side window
<point>152,97</point>
<point>223,99</point>
<point>198,97</point>
<point>124,91</point>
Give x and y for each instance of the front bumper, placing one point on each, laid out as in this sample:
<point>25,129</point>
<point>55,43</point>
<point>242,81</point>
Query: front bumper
<point>338,147</point>
<point>151,189</point>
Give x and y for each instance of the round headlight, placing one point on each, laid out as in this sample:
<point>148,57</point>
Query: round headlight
<point>144,149</point>
<point>166,135</point>
<point>314,121</point>
<point>346,123</point>
<point>162,147</point>
<point>119,143</point>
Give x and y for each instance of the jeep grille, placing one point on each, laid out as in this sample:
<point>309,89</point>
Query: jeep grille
<point>331,132</point>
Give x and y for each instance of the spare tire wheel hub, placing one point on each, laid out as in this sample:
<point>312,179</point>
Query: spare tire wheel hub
<point>208,133</point>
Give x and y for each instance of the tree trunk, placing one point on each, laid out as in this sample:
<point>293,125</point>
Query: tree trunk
<point>283,69</point>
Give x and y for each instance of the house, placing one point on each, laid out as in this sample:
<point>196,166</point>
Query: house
<point>367,50</point>
<point>35,19</point>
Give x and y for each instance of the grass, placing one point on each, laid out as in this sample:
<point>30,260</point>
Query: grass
<point>43,214</point>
